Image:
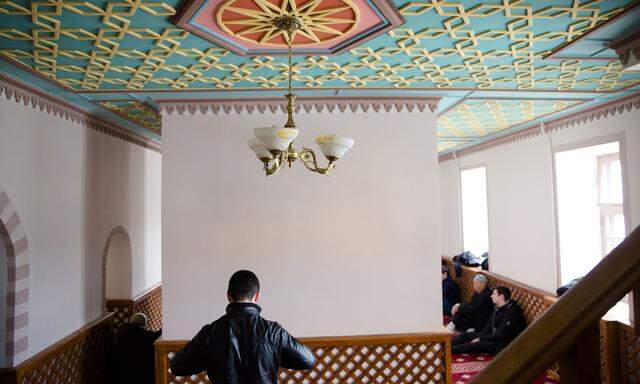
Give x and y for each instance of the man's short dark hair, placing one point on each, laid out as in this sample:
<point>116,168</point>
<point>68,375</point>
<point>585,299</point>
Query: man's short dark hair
<point>504,291</point>
<point>243,286</point>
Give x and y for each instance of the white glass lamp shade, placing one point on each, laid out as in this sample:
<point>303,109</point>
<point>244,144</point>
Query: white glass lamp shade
<point>334,147</point>
<point>258,148</point>
<point>276,138</point>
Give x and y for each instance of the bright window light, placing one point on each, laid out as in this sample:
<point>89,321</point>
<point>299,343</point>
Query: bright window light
<point>590,208</point>
<point>475,220</point>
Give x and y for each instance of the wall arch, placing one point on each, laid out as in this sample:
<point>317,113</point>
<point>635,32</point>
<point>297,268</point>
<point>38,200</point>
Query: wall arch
<point>16,321</point>
<point>117,267</point>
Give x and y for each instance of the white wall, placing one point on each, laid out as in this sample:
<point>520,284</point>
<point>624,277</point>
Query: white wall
<point>71,186</point>
<point>522,234</point>
<point>355,253</point>
<point>118,269</point>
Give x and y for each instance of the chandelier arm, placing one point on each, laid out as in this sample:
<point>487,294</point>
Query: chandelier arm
<point>309,160</point>
<point>276,165</point>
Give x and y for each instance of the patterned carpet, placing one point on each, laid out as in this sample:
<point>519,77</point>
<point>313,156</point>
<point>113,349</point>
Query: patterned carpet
<point>465,367</point>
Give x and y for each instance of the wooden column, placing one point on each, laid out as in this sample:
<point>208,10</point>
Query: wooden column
<point>635,307</point>
<point>580,364</point>
<point>613,364</point>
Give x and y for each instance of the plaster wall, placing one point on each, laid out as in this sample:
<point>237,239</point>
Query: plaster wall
<point>71,186</point>
<point>355,253</point>
<point>520,183</point>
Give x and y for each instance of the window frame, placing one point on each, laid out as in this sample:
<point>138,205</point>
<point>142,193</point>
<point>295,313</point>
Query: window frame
<point>619,137</point>
<point>486,177</point>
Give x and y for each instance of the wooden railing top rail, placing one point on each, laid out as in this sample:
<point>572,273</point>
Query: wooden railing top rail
<point>533,290</point>
<point>402,358</point>
<point>148,292</point>
<point>326,341</point>
<point>562,324</point>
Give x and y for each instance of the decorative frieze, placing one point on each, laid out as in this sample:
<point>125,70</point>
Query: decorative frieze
<point>625,104</point>
<point>21,93</point>
<point>308,104</point>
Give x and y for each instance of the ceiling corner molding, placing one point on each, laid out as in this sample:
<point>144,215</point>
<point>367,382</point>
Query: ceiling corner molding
<point>307,104</point>
<point>625,104</point>
<point>628,49</point>
<point>29,96</point>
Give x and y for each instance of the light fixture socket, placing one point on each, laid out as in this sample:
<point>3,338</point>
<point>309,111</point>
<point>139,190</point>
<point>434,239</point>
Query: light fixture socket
<point>288,23</point>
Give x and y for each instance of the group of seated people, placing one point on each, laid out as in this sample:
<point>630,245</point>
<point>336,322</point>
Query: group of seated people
<point>488,322</point>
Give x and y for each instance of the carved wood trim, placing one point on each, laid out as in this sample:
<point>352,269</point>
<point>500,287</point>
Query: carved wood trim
<point>429,352</point>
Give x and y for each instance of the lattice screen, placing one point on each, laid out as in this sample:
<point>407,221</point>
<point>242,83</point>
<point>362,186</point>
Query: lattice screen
<point>631,349</point>
<point>412,363</point>
<point>466,284</point>
<point>151,305</point>
<point>122,311</point>
<point>81,359</point>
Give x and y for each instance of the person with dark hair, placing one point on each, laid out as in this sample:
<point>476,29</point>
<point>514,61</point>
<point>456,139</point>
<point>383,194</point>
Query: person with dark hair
<point>474,315</point>
<point>450,291</point>
<point>242,347</point>
<point>505,324</point>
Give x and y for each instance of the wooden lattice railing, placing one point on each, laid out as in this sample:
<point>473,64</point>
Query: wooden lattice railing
<point>619,345</point>
<point>534,302</point>
<point>149,303</point>
<point>82,357</point>
<point>403,358</point>
<point>571,332</point>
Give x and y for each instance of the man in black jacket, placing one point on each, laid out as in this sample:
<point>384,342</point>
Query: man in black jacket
<point>474,315</point>
<point>506,323</point>
<point>241,347</point>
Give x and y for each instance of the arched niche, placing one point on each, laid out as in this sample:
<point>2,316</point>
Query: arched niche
<point>117,266</point>
<point>14,285</point>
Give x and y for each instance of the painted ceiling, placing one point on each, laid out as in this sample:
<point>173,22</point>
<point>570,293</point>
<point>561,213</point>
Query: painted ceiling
<point>492,62</point>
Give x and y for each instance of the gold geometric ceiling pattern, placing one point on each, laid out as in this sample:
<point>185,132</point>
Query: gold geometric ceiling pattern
<point>131,45</point>
<point>478,118</point>
<point>445,46</point>
<point>137,111</point>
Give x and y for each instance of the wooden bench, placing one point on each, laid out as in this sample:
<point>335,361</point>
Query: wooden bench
<point>534,302</point>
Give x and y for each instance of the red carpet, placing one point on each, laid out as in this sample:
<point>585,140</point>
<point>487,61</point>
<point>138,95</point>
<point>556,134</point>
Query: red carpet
<point>465,367</point>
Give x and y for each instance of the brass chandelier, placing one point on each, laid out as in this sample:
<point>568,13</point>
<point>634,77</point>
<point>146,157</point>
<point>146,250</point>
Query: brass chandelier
<point>274,145</point>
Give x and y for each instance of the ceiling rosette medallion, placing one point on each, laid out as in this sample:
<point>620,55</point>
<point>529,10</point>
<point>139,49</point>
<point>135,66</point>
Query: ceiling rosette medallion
<point>246,27</point>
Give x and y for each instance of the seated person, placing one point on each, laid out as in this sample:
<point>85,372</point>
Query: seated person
<point>450,292</point>
<point>135,351</point>
<point>474,315</point>
<point>505,324</point>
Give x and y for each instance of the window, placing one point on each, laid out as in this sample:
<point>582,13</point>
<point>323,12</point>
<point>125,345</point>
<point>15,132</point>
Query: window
<point>475,221</point>
<point>590,210</point>
<point>610,201</point>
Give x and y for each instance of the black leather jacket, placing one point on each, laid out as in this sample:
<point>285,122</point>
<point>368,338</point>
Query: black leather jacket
<point>241,347</point>
<point>506,323</point>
